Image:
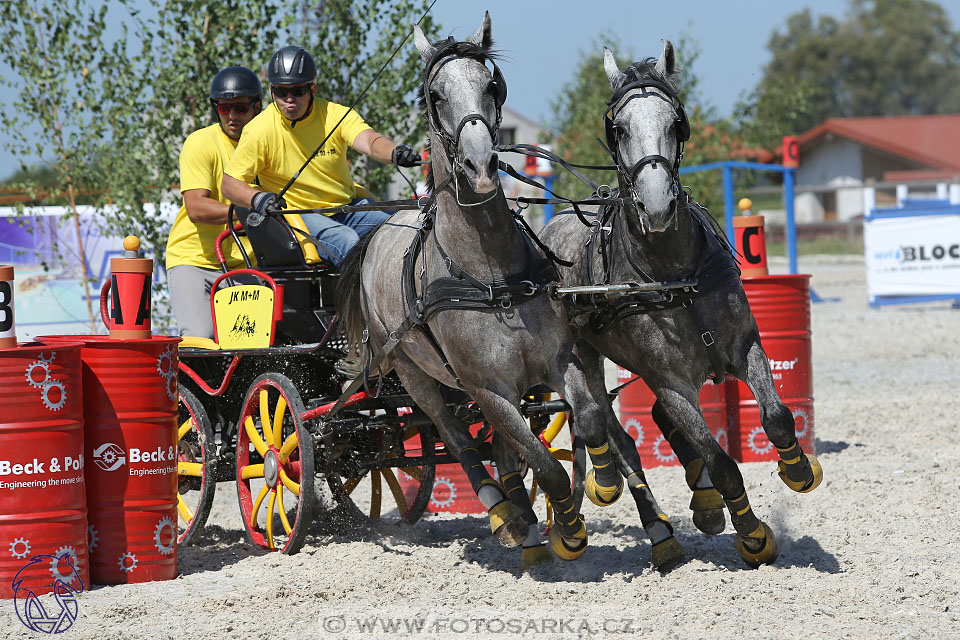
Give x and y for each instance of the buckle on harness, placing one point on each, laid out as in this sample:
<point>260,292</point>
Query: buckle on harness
<point>533,288</point>
<point>705,336</point>
<point>365,337</point>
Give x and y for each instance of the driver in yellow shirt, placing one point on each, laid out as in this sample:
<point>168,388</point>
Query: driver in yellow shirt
<point>192,265</point>
<point>276,144</point>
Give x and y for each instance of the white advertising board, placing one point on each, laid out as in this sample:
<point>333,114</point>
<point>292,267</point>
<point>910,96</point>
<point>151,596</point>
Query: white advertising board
<point>912,256</point>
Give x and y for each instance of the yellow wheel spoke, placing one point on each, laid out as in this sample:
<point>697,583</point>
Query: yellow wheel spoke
<point>194,469</point>
<point>288,483</point>
<point>533,492</point>
<point>395,489</point>
<point>252,471</point>
<point>413,472</point>
<point>185,514</point>
<point>278,421</point>
<point>184,429</point>
<point>376,495</point>
<point>256,506</point>
<point>255,438</point>
<point>283,512</point>
<point>555,425</point>
<point>562,454</point>
<point>265,414</point>
<point>352,483</point>
<point>288,447</point>
<point>271,505</point>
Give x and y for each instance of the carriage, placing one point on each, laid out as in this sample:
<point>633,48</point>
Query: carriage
<point>255,405</point>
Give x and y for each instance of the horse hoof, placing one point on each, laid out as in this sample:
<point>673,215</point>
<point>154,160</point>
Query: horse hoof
<point>708,514</point>
<point>711,522</point>
<point>803,486</point>
<point>667,554</point>
<point>602,496</point>
<point>563,548</point>
<point>767,552</point>
<point>508,524</point>
<point>533,556</point>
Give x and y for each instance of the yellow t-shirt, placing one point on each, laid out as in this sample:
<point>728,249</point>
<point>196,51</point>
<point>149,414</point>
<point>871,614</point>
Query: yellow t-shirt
<point>204,155</point>
<point>273,150</point>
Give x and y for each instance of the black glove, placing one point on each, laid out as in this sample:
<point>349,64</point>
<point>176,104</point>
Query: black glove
<point>267,202</point>
<point>404,156</point>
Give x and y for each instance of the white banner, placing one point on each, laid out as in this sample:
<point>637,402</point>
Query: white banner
<point>912,255</point>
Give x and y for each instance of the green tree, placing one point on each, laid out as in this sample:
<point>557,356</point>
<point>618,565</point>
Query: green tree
<point>885,57</point>
<point>350,40</point>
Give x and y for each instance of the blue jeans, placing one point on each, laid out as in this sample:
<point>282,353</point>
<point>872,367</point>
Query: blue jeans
<point>338,233</point>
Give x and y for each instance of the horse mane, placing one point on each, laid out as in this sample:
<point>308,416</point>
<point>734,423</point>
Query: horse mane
<point>466,50</point>
<point>645,69</point>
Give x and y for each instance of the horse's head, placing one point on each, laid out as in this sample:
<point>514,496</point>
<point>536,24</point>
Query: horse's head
<point>646,126</point>
<point>462,99</point>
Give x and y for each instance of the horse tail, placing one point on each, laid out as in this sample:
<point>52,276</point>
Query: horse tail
<point>349,303</point>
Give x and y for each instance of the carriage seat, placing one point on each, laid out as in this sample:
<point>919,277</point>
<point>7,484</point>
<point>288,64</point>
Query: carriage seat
<point>280,246</point>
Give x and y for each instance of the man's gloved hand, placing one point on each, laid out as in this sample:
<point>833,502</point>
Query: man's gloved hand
<point>267,202</point>
<point>404,156</point>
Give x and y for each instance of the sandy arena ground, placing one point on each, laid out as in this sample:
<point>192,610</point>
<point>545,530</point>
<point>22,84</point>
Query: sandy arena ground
<point>872,553</point>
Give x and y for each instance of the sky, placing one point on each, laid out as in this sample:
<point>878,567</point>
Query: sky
<point>544,40</point>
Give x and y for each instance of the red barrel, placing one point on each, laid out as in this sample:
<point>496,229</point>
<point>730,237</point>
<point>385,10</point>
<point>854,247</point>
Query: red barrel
<point>130,408</point>
<point>636,408</point>
<point>781,305</point>
<point>43,503</point>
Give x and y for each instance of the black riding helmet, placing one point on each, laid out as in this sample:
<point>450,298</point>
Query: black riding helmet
<point>291,65</point>
<point>235,82</point>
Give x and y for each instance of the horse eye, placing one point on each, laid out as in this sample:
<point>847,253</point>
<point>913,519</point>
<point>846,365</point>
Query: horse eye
<point>435,97</point>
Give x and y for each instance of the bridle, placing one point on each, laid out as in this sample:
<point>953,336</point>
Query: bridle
<point>446,52</point>
<point>621,97</point>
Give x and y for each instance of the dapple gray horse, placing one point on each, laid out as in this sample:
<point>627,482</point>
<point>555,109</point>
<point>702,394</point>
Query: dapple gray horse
<point>674,339</point>
<point>472,290</point>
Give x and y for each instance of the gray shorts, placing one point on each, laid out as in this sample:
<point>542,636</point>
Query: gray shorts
<point>190,297</point>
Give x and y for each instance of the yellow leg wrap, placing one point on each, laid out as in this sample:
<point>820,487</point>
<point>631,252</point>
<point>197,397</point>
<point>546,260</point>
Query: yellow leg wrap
<point>805,486</point>
<point>533,556</point>
<point>667,554</point>
<point>692,472</point>
<point>562,549</point>
<point>507,523</point>
<point>600,495</point>
<point>707,507</point>
<point>599,450</point>
<point>766,554</point>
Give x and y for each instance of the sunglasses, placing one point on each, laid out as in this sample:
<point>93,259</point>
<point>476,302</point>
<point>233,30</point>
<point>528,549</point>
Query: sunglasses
<point>224,108</point>
<point>296,92</point>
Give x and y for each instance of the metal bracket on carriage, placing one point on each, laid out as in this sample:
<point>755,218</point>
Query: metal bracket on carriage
<point>629,288</point>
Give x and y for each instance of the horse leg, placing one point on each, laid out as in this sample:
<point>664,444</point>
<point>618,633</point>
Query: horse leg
<point>534,551</point>
<point>706,502</point>
<point>568,537</point>
<point>506,520</point>
<point>801,472</point>
<point>754,540</point>
<point>666,550</point>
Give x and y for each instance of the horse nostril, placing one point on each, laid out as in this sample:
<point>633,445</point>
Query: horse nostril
<point>468,164</point>
<point>494,164</point>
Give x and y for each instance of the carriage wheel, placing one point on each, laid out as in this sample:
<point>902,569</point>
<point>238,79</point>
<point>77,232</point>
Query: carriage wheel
<point>275,478</point>
<point>395,495</point>
<point>196,467</point>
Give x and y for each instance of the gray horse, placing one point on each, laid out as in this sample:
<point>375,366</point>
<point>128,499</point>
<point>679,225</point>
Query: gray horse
<point>674,339</point>
<point>472,290</point>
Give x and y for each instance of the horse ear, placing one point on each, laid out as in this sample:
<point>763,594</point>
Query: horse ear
<point>423,45</point>
<point>667,64</point>
<point>482,37</point>
<point>610,66</point>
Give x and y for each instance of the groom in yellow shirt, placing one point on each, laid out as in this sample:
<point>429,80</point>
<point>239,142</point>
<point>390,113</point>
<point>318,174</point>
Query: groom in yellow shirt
<point>192,265</point>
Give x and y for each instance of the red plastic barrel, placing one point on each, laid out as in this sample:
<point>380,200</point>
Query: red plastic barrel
<point>43,504</point>
<point>130,408</point>
<point>636,409</point>
<point>781,305</point>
